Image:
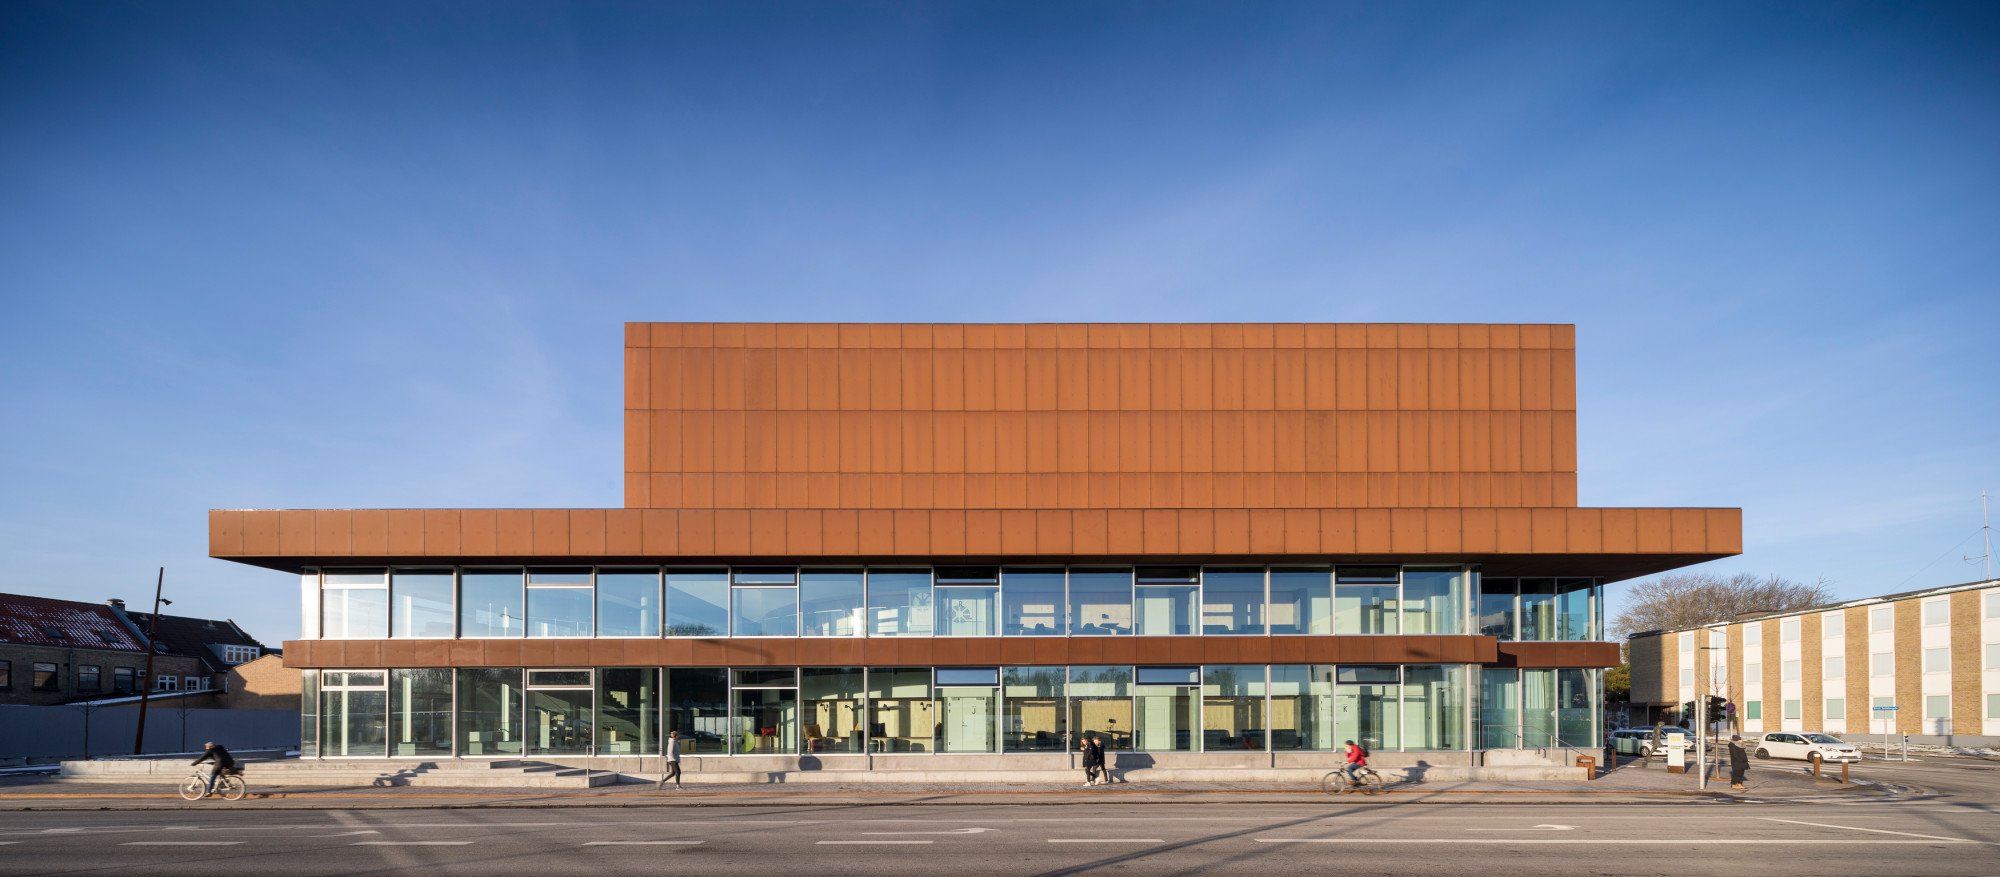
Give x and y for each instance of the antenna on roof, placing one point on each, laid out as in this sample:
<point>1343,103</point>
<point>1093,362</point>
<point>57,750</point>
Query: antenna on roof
<point>1986,532</point>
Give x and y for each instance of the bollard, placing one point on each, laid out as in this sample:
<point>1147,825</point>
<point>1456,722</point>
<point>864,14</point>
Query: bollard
<point>1843,771</point>
<point>1589,766</point>
<point>1816,766</point>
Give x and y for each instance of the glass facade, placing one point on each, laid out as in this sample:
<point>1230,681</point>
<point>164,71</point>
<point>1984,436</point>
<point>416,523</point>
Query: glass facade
<point>628,602</point>
<point>697,602</point>
<point>420,603</point>
<point>830,602</point>
<point>354,604</point>
<point>490,603</point>
<point>1032,602</point>
<point>625,711</point>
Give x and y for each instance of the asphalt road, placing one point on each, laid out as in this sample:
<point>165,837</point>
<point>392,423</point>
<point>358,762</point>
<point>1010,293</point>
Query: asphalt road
<point>1875,838</point>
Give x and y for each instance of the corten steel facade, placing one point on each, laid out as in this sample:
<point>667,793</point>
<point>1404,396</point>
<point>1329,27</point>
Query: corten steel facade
<point>1933,655</point>
<point>852,539</point>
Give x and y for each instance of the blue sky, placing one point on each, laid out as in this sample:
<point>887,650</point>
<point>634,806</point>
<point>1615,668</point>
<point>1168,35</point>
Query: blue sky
<point>378,255</point>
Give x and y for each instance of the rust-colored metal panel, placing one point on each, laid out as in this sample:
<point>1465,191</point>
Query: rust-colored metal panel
<point>1655,531</point>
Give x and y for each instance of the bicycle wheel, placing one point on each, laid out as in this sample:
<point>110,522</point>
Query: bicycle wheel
<point>193,788</point>
<point>1371,783</point>
<point>1334,783</point>
<point>231,788</point>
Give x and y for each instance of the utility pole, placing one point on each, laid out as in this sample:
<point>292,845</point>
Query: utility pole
<point>1986,530</point>
<point>152,648</point>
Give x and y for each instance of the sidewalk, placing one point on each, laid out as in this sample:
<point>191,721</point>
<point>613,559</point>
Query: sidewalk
<point>1628,784</point>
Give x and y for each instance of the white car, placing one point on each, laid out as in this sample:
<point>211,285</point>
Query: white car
<point>1639,741</point>
<point>1806,747</point>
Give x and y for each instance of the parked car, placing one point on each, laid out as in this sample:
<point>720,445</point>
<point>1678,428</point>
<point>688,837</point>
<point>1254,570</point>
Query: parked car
<point>1639,741</point>
<point>1806,747</point>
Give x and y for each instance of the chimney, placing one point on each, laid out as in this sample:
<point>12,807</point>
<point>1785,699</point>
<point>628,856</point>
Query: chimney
<point>115,603</point>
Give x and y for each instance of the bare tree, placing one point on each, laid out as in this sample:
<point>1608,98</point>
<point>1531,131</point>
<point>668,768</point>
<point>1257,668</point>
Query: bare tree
<point>1681,600</point>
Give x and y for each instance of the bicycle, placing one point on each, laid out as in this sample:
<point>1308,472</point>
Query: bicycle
<point>229,785</point>
<point>1366,781</point>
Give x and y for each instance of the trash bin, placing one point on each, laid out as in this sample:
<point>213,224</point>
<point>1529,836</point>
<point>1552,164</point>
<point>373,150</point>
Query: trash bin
<point>1589,765</point>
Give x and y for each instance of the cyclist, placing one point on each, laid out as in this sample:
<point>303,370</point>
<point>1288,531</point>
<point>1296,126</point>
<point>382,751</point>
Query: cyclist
<point>1357,758</point>
<point>223,762</point>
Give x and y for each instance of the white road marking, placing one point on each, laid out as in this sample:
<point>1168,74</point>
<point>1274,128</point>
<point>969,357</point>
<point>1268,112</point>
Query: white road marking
<point>1873,830</point>
<point>1644,841</point>
<point>1542,827</point>
<point>410,843</point>
<point>180,843</point>
<point>640,843</point>
<point>949,831</point>
<point>861,842</point>
<point>349,833</point>
<point>1105,840</point>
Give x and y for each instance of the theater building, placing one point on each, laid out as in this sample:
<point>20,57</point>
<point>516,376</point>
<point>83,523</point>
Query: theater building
<point>871,547</point>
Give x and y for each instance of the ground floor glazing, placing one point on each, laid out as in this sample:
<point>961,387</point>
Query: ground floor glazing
<point>627,711</point>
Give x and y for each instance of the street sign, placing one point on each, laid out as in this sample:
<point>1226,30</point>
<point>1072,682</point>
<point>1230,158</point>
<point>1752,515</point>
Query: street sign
<point>1883,709</point>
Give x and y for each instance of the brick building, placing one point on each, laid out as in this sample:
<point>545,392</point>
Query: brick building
<point>1924,663</point>
<point>56,651</point>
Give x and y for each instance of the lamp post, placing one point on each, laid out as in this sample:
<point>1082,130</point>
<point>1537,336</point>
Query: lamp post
<point>152,648</point>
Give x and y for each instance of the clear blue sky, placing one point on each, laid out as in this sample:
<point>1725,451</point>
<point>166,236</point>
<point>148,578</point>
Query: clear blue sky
<point>378,254</point>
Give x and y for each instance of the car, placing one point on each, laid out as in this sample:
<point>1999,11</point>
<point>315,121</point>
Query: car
<point>1806,747</point>
<point>1639,741</point>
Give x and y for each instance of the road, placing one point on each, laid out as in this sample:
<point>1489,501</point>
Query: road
<point>1906,837</point>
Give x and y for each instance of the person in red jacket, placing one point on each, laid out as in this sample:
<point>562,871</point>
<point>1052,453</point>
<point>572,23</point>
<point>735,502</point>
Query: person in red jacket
<point>1357,758</point>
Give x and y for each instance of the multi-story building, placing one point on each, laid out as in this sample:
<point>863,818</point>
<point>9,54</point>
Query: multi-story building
<point>55,651</point>
<point>216,644</point>
<point>1217,544</point>
<point>1923,663</point>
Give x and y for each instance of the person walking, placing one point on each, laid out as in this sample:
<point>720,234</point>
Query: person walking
<point>224,762</point>
<point>1739,762</point>
<point>673,761</point>
<point>1093,758</point>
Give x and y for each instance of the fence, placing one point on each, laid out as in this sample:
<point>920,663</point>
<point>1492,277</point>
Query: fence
<point>48,733</point>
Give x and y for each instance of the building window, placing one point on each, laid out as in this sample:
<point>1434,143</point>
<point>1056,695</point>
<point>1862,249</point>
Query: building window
<point>1753,673</point>
<point>1992,657</point>
<point>1434,601</point>
<point>1880,619</point>
<point>1788,630</point>
<point>968,603</point>
<point>1993,604</point>
<point>1538,611</point>
<point>1792,709</point>
<point>1790,671</point>
<point>1302,602</point>
<point>1753,710</point>
<point>900,709</point>
<point>1882,664</point>
<point>628,602</point>
<point>1687,643</point>
<point>244,654</point>
<point>1167,601</point>
<point>1993,706</point>
<point>1100,702</point>
<point>1937,706</point>
<point>764,602</point>
<point>1836,709</point>
<point>1232,602</point>
<point>559,602</point>
<point>1302,706</point>
<point>830,601</point>
<point>1032,602</point>
<point>1364,600</point>
<point>124,680</point>
<point>1835,668</point>
<point>899,602</point>
<point>45,678</point>
<point>831,699</point>
<point>165,682</point>
<point>697,605</point>
<point>968,709</point>
<point>559,713</point>
<point>194,683</point>
<point>354,604</point>
<point>1937,660</point>
<point>1937,612</point>
<point>1687,680</point>
<point>6,675</point>
<point>419,603</point>
<point>1573,598</point>
<point>353,713</point>
<point>489,603</point>
<point>1100,603</point>
<point>1753,636</point>
<point>1033,718</point>
<point>420,712</point>
<point>1496,608</point>
<point>1833,625</point>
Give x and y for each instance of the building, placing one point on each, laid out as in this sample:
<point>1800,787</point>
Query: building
<point>263,683</point>
<point>56,651</point>
<point>1211,544</point>
<point>217,645</point>
<point>1923,663</point>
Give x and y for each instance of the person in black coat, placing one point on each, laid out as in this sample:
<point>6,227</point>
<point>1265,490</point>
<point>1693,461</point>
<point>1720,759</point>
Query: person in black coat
<point>1739,762</point>
<point>1093,759</point>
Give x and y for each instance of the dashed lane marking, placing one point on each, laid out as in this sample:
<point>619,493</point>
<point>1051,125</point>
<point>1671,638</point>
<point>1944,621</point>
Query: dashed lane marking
<point>870,842</point>
<point>640,843</point>
<point>1870,830</point>
<point>1106,840</point>
<point>1643,841</point>
<point>411,843</point>
<point>180,843</point>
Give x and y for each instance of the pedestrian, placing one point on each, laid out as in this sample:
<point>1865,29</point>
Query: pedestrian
<point>1739,762</point>
<point>673,759</point>
<point>1093,758</point>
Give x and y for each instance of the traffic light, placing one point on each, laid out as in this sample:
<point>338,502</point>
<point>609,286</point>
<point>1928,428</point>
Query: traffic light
<point>1718,709</point>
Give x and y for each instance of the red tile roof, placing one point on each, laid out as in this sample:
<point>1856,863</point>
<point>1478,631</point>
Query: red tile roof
<point>41,621</point>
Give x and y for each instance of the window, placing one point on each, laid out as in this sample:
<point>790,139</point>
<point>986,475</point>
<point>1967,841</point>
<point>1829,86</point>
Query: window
<point>559,602</point>
<point>1033,720</point>
<point>559,714</point>
<point>1232,708</point>
<point>1937,660</point>
<point>1032,602</point>
<point>1496,608</point>
<point>1433,601</point>
<point>1302,706</point>
<point>1232,602</point>
<point>420,711</point>
<point>1833,625</point>
<point>1538,610</point>
<point>899,603</point>
<point>1834,668</point>
<point>1993,706</point>
<point>1792,709</point>
<point>1788,630</point>
<point>354,604</point>
<point>1753,673</point>
<point>1686,643</point>
<point>1836,709</point>
<point>1753,636</point>
<point>1572,608</point>
<point>89,677</point>
<point>968,708</point>
<point>246,654</point>
<point>1167,601</point>
<point>1687,679</point>
<point>1753,710</point>
<point>830,704</point>
<point>165,682</point>
<point>968,604</point>
<point>420,603</point>
<point>830,603</point>
<point>628,602</point>
<point>1937,706</point>
<point>1302,601</point>
<point>124,680</point>
<point>1790,671</point>
<point>490,603</point>
<point>6,675</point>
<point>1992,657</point>
<point>1364,600</point>
<point>1880,619</point>
<point>764,602</point>
<point>194,683</point>
<point>1993,604</point>
<point>697,605</point>
<point>698,707</point>
<point>1937,612</point>
<point>1882,664</point>
<point>1100,603</point>
<point>353,713</point>
<point>45,678</point>
<point>1163,701</point>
